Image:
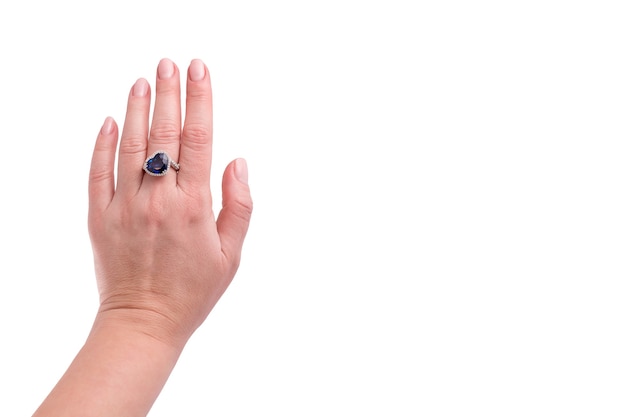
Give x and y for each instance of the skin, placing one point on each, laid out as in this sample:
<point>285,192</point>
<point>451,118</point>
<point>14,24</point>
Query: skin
<point>162,258</point>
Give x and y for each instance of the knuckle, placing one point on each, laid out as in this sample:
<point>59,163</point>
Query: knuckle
<point>133,145</point>
<point>196,208</point>
<point>197,133</point>
<point>100,174</point>
<point>164,132</point>
<point>152,214</point>
<point>241,209</point>
<point>201,94</point>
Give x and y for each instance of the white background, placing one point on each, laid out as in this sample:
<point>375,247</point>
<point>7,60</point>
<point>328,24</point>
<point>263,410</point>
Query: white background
<point>439,201</point>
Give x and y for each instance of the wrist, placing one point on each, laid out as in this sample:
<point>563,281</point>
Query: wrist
<point>151,327</point>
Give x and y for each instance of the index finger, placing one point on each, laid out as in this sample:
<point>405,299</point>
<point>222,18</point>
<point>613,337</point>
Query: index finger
<point>196,141</point>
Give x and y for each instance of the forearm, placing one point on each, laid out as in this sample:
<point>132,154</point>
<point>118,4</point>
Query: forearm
<point>119,372</point>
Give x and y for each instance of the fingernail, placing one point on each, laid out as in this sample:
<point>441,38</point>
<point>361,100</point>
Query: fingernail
<point>196,70</point>
<point>241,170</point>
<point>107,126</point>
<point>140,88</point>
<point>165,69</point>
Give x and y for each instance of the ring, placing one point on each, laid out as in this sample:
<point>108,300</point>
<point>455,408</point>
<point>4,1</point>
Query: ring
<point>159,163</point>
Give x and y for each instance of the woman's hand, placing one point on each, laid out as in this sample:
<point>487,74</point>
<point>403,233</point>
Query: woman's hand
<point>162,258</point>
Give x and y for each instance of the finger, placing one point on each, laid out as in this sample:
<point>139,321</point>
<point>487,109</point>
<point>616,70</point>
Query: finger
<point>101,173</point>
<point>134,139</point>
<point>234,218</point>
<point>165,130</point>
<point>197,136</point>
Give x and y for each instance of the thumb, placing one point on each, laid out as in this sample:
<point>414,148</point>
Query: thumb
<point>234,218</point>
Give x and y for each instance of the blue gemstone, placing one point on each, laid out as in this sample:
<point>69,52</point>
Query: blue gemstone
<point>158,164</point>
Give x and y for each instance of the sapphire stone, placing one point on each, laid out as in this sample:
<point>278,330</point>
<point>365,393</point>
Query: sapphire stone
<point>157,164</point>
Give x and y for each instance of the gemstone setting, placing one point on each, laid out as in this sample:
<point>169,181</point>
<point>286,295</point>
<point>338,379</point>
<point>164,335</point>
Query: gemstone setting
<point>158,164</point>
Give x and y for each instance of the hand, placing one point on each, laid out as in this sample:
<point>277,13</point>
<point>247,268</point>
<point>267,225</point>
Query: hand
<point>162,259</point>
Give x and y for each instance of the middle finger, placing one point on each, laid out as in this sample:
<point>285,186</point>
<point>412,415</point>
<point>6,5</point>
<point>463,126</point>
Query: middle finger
<point>166,120</point>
